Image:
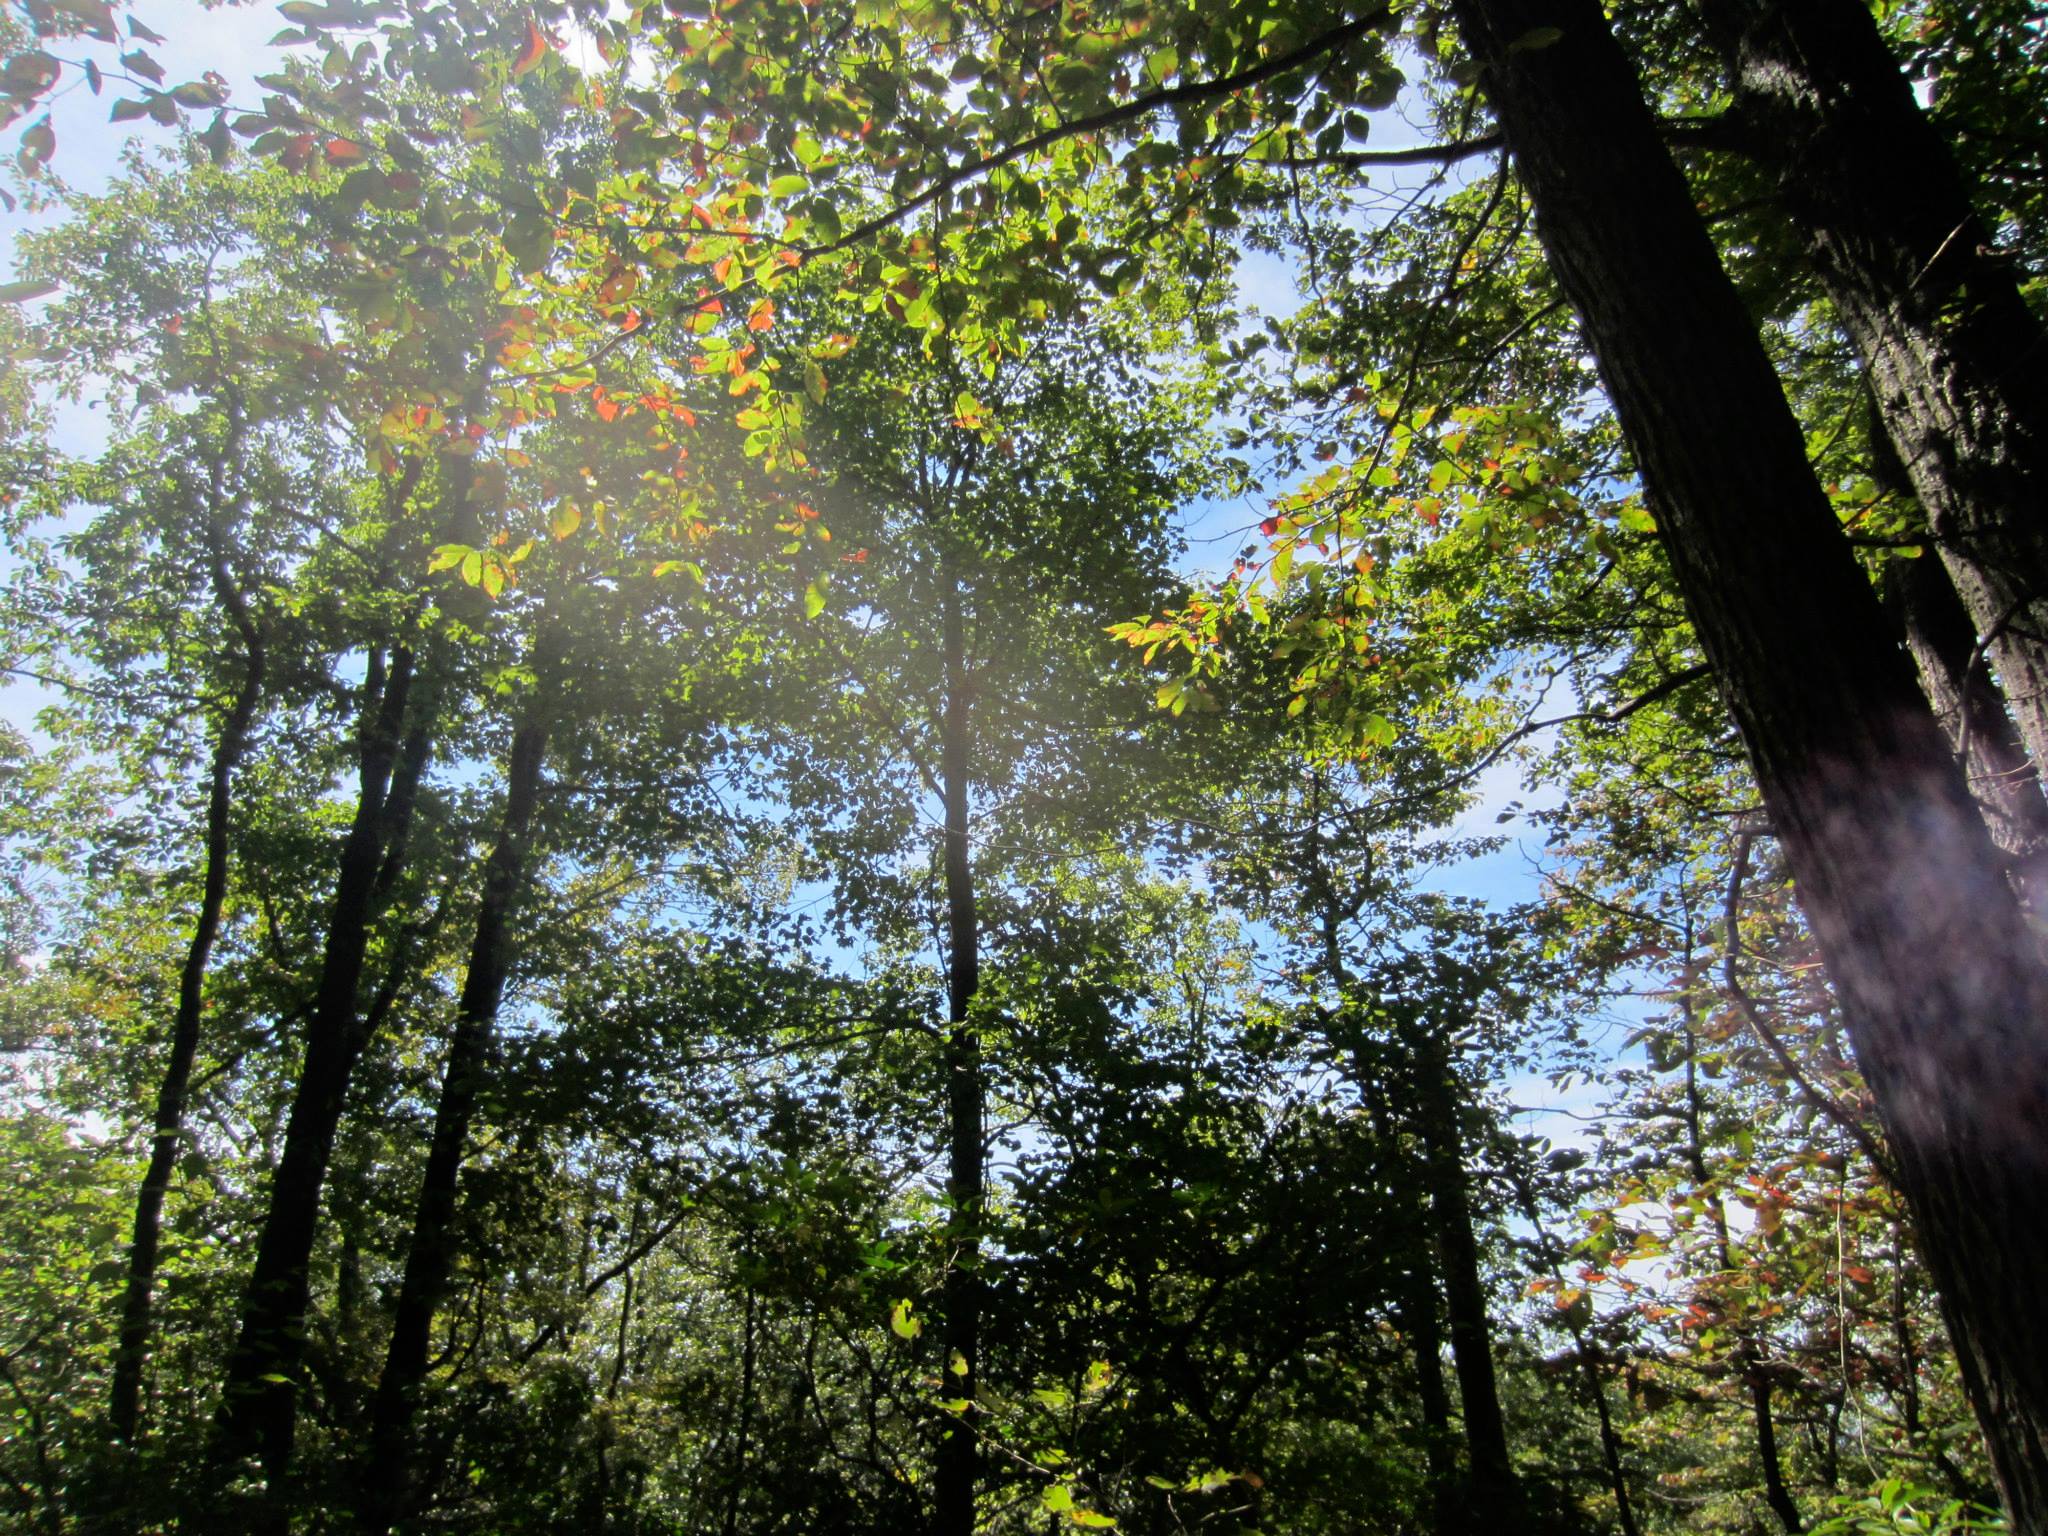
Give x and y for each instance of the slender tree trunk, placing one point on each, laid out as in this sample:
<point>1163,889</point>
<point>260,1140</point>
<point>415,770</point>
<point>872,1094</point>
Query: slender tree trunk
<point>1940,985</point>
<point>1776,1494</point>
<point>1958,363</point>
<point>1496,1493</point>
<point>959,1460</point>
<point>430,1260</point>
<point>1582,1348</point>
<point>740,1446</point>
<point>132,1350</point>
<point>259,1401</point>
<point>1415,1294</point>
<point>1748,1354</point>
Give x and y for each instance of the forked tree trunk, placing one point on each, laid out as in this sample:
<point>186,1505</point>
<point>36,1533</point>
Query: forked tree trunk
<point>959,1459</point>
<point>259,1401</point>
<point>1957,361</point>
<point>1939,980</point>
<point>393,1466</point>
<point>132,1349</point>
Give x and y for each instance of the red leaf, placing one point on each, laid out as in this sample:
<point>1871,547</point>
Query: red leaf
<point>344,152</point>
<point>536,49</point>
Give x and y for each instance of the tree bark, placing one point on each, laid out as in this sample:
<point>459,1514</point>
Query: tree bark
<point>1957,361</point>
<point>1496,1493</point>
<point>1955,676</point>
<point>1972,712</point>
<point>1938,976</point>
<point>431,1257</point>
<point>132,1350</point>
<point>259,1401</point>
<point>959,1460</point>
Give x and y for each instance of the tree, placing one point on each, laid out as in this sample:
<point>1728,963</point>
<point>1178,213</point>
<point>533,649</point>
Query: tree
<point>1937,976</point>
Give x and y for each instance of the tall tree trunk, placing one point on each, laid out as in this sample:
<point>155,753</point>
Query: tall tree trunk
<point>959,1460</point>
<point>259,1401</point>
<point>431,1257</point>
<point>1415,1293</point>
<point>1755,1375</point>
<point>1957,361</point>
<point>1940,984</point>
<point>132,1349</point>
<point>1496,1493</point>
<point>1583,1348</point>
<point>746,1415</point>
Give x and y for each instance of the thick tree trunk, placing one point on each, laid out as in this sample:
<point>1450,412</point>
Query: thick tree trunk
<point>132,1350</point>
<point>1958,363</point>
<point>431,1258</point>
<point>959,1460</point>
<point>1496,1493</point>
<point>259,1402</point>
<point>1938,977</point>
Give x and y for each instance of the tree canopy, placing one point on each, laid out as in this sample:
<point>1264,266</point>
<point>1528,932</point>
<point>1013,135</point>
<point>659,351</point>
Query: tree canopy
<point>852,764</point>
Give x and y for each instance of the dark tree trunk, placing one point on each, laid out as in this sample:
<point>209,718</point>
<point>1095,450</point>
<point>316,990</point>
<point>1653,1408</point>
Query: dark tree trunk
<point>1415,1315</point>
<point>1496,1493</point>
<point>1940,984</point>
<point>959,1460</point>
<point>1958,363</point>
<point>431,1258</point>
<point>746,1416</point>
<point>132,1349</point>
<point>1583,1349</point>
<point>1776,1494</point>
<point>259,1402</point>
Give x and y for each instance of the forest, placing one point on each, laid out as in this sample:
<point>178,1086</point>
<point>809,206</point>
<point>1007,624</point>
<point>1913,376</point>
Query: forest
<point>990,766</point>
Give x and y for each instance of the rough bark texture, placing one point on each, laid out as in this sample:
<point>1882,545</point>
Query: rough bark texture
<point>1958,363</point>
<point>431,1257</point>
<point>1496,1494</point>
<point>132,1349</point>
<point>959,1460</point>
<point>259,1402</point>
<point>1938,977</point>
<point>1955,675</point>
<point>1971,710</point>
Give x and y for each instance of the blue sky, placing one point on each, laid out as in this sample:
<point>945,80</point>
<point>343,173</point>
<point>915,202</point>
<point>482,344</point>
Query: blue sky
<point>232,41</point>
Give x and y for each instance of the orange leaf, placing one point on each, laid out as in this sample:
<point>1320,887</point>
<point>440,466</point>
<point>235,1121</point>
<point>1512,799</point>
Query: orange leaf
<point>536,49</point>
<point>761,316</point>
